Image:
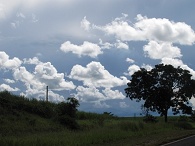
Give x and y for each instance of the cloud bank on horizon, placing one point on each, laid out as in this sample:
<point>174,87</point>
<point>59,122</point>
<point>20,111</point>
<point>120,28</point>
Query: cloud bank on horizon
<point>86,57</point>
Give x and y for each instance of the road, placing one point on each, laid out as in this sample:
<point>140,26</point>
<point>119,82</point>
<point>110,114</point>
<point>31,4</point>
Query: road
<point>188,141</point>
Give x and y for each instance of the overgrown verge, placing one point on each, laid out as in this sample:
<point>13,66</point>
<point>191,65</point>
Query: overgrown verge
<point>20,115</point>
<point>29,125</point>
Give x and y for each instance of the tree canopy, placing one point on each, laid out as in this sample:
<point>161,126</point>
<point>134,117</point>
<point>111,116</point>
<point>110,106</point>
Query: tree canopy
<point>162,88</point>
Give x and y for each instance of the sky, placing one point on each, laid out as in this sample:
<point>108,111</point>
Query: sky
<point>89,49</point>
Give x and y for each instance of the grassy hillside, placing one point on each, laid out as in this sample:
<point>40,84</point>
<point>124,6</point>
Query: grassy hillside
<point>38,123</point>
<point>19,115</point>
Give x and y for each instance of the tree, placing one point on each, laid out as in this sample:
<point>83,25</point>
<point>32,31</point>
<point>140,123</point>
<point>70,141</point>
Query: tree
<point>162,88</point>
<point>66,112</point>
<point>68,108</point>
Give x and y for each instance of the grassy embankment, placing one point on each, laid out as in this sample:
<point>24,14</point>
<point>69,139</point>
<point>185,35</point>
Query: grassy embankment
<point>32,123</point>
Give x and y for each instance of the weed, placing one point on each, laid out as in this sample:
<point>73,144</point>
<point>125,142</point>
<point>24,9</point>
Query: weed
<point>184,125</point>
<point>183,119</point>
<point>129,126</point>
<point>150,118</point>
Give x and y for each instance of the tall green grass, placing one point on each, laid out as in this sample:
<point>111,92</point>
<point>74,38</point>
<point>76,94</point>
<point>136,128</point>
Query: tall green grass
<point>29,126</point>
<point>92,133</point>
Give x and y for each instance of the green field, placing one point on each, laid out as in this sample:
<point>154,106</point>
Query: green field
<point>23,128</point>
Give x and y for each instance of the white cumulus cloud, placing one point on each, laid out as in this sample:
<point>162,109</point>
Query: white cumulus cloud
<point>9,81</point>
<point>7,63</point>
<point>89,94</point>
<point>92,94</point>
<point>47,73</point>
<point>33,60</point>
<point>44,74</point>
<point>85,24</point>
<point>161,29</point>
<point>132,69</point>
<point>113,94</point>
<point>121,45</point>
<point>130,60</point>
<point>86,49</point>
<point>156,50</point>
<point>94,74</point>
<point>7,88</point>
<point>157,29</point>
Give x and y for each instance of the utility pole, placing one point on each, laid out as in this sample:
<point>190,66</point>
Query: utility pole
<point>47,94</point>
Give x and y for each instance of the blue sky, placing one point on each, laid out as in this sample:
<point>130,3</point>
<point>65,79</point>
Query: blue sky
<point>89,49</point>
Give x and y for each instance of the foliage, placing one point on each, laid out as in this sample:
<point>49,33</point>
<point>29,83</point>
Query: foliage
<point>66,113</point>
<point>15,105</point>
<point>145,111</point>
<point>109,114</point>
<point>150,119</point>
<point>12,103</point>
<point>162,88</point>
<point>192,117</point>
<point>68,121</point>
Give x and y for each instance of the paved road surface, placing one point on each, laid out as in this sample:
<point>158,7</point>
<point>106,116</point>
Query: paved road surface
<point>188,141</point>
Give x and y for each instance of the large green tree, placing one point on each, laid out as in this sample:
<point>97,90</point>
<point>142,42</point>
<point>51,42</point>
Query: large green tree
<point>162,88</point>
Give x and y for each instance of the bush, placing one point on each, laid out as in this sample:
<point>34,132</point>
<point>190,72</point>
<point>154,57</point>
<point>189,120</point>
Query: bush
<point>150,119</point>
<point>192,117</point>
<point>68,122</point>
<point>68,108</point>
<point>66,113</point>
<point>12,103</point>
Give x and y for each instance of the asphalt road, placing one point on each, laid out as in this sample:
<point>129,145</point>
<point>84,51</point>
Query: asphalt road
<point>188,141</point>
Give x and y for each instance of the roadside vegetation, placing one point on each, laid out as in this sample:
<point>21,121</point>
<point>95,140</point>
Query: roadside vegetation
<point>39,123</point>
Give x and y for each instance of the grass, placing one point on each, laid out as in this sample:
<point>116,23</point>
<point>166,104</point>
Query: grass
<point>119,131</point>
<point>21,126</point>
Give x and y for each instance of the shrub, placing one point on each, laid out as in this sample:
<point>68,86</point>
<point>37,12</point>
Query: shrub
<point>68,122</point>
<point>150,119</point>
<point>68,108</point>
<point>66,113</point>
<point>192,117</point>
